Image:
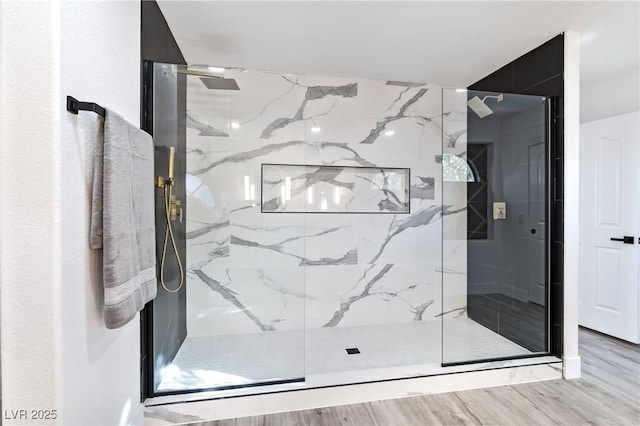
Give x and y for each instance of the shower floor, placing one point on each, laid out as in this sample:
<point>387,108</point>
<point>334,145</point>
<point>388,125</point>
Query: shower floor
<point>321,356</point>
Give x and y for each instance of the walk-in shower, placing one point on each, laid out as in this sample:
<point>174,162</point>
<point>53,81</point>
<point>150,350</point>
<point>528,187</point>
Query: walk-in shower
<point>342,230</point>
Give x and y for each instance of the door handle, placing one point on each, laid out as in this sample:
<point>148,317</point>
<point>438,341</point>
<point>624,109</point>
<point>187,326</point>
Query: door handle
<point>625,239</point>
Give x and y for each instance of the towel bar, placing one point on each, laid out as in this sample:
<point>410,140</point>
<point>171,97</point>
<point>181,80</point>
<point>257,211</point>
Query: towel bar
<point>74,105</point>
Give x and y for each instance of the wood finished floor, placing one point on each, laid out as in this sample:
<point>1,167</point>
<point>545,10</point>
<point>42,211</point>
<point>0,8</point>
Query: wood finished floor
<point>608,393</point>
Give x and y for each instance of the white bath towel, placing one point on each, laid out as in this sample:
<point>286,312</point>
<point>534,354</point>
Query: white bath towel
<point>122,219</point>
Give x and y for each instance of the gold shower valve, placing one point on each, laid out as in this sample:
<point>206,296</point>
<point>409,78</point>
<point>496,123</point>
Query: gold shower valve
<point>174,204</point>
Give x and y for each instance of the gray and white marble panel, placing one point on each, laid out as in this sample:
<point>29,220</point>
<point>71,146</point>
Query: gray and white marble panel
<point>251,271</point>
<point>394,293</point>
<point>454,223</point>
<point>245,300</point>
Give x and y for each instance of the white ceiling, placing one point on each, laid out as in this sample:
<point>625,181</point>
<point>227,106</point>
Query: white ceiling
<point>450,43</point>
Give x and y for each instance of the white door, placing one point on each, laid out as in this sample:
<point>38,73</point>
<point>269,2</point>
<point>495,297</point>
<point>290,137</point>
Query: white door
<point>610,198</point>
<point>537,227</point>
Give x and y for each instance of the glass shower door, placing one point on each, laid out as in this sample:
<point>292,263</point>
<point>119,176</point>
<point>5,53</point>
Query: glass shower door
<point>238,320</point>
<point>495,226</point>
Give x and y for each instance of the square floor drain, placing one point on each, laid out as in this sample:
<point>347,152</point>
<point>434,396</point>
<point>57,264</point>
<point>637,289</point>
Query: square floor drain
<point>352,351</point>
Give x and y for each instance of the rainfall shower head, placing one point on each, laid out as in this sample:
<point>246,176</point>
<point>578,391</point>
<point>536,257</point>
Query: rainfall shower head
<point>212,80</point>
<point>480,108</point>
<point>220,83</point>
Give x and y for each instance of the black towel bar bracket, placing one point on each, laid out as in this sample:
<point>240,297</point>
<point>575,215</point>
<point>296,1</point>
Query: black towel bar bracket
<point>74,105</point>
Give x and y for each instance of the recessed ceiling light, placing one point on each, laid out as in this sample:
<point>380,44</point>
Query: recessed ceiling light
<point>316,129</point>
<point>216,69</point>
<point>389,133</point>
<point>461,90</point>
<point>235,125</point>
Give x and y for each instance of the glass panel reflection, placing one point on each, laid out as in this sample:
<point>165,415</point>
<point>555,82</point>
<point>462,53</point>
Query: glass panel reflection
<point>244,309</point>
<point>494,259</point>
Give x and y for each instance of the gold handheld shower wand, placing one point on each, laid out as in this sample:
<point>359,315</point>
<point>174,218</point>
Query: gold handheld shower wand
<point>171,206</point>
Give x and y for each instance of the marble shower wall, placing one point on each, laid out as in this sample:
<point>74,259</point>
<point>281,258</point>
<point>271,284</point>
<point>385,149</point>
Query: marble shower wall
<point>456,173</point>
<point>254,269</point>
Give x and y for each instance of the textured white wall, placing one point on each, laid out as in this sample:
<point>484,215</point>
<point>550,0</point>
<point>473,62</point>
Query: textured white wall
<point>570,356</point>
<point>100,62</point>
<point>1,139</point>
<point>56,352</point>
<point>29,223</point>
<point>614,96</point>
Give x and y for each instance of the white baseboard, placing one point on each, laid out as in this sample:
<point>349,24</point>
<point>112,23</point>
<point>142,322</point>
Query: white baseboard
<point>137,417</point>
<point>571,367</point>
<point>349,394</point>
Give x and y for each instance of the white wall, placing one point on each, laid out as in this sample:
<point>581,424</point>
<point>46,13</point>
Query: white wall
<point>617,95</point>
<point>57,353</point>
<point>570,356</point>
<point>30,251</point>
<point>100,62</point>
<point>1,139</point>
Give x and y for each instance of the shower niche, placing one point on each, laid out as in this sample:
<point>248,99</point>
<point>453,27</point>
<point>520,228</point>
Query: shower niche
<point>290,188</point>
<point>326,230</point>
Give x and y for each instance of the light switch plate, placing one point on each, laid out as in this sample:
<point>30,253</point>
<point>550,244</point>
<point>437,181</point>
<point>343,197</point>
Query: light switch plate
<point>499,210</point>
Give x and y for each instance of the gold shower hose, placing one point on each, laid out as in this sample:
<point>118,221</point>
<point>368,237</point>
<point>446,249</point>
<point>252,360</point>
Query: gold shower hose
<point>168,234</point>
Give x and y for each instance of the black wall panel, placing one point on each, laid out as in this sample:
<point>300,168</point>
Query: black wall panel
<point>157,41</point>
<point>541,72</point>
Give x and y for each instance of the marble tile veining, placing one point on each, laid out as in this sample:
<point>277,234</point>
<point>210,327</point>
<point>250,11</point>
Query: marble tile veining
<point>250,270</point>
<point>247,156</point>
<point>204,128</point>
<point>313,93</point>
<point>381,125</point>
